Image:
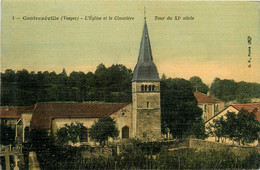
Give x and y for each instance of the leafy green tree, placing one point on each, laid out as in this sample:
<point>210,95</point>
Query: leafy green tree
<point>246,91</point>
<point>224,89</point>
<point>197,129</point>
<point>9,88</point>
<point>241,127</point>
<point>248,127</point>
<point>198,85</point>
<point>219,129</point>
<point>103,129</point>
<point>119,83</point>
<point>72,132</point>
<point>228,90</point>
<point>77,86</point>
<point>180,109</point>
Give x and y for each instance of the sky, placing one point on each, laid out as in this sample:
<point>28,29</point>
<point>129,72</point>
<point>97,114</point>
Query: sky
<point>213,44</point>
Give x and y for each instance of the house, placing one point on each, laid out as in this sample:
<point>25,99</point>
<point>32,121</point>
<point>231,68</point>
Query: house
<point>10,115</point>
<point>140,119</point>
<point>250,107</point>
<point>210,105</point>
<point>19,118</point>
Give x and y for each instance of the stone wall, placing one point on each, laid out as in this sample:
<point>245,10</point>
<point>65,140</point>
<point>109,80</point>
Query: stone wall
<point>123,118</point>
<point>199,144</point>
<point>146,111</point>
<point>91,152</point>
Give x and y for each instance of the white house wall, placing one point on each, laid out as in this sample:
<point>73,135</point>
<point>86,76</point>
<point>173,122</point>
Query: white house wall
<point>223,113</point>
<point>58,123</point>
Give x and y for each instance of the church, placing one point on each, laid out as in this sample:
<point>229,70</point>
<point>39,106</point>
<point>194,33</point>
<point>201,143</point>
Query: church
<point>140,119</point>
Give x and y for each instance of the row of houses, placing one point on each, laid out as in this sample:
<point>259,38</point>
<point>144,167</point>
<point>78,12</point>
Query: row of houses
<point>52,116</point>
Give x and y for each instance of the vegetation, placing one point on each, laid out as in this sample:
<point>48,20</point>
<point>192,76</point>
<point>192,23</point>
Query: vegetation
<point>198,85</point>
<point>103,129</point>
<point>105,84</point>
<point>242,127</point>
<point>180,111</point>
<point>7,134</point>
<point>228,90</point>
<point>71,133</point>
<point>136,155</point>
<point>40,141</point>
<point>140,156</point>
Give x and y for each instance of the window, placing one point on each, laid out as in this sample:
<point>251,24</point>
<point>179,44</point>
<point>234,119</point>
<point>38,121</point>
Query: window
<point>205,108</point>
<point>144,134</point>
<point>148,104</point>
<point>216,108</point>
<point>142,88</point>
<point>150,88</point>
<point>84,135</point>
<point>26,133</point>
<point>145,88</point>
<point>125,132</point>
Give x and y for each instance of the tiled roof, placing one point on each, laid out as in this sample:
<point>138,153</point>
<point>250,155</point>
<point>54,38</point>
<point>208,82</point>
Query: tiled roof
<point>203,98</point>
<point>14,111</point>
<point>250,107</point>
<point>44,112</point>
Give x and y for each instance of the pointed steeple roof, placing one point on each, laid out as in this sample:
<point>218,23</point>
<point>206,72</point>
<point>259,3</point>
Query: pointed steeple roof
<point>145,69</point>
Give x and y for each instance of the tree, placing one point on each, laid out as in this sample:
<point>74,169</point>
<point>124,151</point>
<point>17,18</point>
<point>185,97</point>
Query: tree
<point>103,129</point>
<point>224,89</point>
<point>218,129</point>
<point>240,127</point>
<point>198,85</point>
<point>246,91</point>
<point>228,90</point>
<point>180,109</point>
<point>72,132</point>
<point>248,127</point>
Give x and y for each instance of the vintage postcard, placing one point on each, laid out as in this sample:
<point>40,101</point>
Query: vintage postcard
<point>130,84</point>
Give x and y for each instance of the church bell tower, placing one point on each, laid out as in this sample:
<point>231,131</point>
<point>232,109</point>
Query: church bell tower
<point>146,93</point>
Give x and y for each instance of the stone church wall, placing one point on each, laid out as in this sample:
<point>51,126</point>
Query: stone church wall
<point>123,119</point>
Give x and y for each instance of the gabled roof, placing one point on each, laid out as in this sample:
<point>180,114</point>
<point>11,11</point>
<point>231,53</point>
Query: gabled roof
<point>203,98</point>
<point>145,69</point>
<point>250,107</point>
<point>45,112</point>
<point>14,112</point>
